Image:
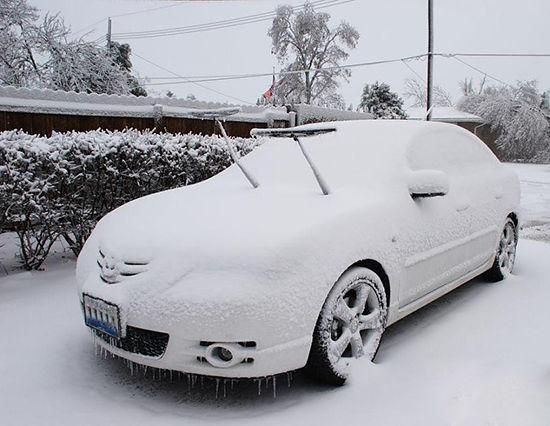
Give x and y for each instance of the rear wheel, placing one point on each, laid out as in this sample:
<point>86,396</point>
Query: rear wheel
<point>350,326</point>
<point>506,253</point>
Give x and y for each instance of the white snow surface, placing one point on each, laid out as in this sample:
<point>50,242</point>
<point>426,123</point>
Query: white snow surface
<point>311,114</point>
<point>535,199</point>
<point>445,114</point>
<point>480,355</point>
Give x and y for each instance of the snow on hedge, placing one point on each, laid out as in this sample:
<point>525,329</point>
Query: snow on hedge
<point>60,186</point>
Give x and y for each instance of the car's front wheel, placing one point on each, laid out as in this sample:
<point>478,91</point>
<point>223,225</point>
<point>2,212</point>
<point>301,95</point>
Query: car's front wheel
<point>349,326</point>
<point>506,253</point>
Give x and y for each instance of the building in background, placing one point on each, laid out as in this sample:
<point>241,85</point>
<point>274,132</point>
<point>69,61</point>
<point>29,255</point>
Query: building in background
<point>471,122</point>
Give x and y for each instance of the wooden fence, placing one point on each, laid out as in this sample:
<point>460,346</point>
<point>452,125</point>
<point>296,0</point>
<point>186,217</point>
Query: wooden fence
<point>42,112</point>
<point>46,123</point>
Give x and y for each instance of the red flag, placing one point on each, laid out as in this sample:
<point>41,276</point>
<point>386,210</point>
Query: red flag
<point>268,95</point>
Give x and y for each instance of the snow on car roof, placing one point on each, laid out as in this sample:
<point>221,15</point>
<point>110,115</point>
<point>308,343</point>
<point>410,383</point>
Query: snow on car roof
<point>358,153</point>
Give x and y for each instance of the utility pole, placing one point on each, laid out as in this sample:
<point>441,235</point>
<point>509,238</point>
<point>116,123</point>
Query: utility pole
<point>109,35</point>
<point>429,91</point>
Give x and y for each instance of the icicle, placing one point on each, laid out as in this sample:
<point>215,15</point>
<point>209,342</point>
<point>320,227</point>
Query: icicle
<point>217,387</point>
<point>188,382</point>
<point>202,382</point>
<point>171,376</point>
<point>274,386</point>
<point>224,391</point>
<point>259,386</point>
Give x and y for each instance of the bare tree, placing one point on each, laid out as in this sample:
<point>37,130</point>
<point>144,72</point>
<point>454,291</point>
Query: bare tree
<point>467,86</point>
<point>416,92</point>
<point>303,40</point>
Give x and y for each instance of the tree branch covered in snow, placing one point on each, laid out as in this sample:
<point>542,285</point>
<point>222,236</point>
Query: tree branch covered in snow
<point>40,53</point>
<point>303,40</point>
<point>519,117</point>
<point>61,186</point>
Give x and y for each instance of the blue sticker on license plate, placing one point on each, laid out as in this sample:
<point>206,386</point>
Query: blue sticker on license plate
<point>102,315</point>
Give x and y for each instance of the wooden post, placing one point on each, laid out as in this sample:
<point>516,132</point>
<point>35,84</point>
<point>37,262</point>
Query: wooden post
<point>109,43</point>
<point>158,117</point>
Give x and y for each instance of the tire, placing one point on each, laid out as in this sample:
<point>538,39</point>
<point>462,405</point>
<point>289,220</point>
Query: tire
<point>505,255</point>
<point>350,325</point>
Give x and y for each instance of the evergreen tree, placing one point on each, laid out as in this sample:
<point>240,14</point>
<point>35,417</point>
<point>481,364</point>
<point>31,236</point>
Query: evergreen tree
<point>381,102</point>
<point>120,53</point>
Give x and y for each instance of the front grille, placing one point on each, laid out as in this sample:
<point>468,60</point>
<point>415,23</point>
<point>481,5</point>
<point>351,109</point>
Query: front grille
<point>113,270</point>
<point>138,341</point>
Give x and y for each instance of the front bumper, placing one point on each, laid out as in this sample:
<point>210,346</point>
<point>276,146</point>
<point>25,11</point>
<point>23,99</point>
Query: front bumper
<point>267,327</point>
<point>190,356</point>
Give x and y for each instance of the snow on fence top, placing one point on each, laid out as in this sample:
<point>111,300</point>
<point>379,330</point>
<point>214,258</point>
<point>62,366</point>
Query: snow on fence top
<point>314,114</point>
<point>71,103</point>
<point>444,114</point>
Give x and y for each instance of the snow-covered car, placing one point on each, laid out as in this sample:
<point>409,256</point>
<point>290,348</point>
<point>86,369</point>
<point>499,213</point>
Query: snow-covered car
<point>349,227</point>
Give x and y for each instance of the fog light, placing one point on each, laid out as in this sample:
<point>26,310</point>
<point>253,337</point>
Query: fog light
<point>225,354</point>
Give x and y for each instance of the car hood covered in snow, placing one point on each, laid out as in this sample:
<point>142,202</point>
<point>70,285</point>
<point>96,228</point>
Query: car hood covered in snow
<point>223,223</point>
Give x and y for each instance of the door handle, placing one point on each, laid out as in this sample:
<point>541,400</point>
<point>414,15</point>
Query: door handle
<point>462,207</point>
<point>499,193</point>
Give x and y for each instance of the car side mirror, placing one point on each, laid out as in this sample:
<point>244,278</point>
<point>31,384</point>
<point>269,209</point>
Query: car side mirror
<point>428,183</point>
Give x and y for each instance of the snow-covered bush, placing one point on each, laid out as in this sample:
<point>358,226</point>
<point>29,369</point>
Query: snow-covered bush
<point>62,185</point>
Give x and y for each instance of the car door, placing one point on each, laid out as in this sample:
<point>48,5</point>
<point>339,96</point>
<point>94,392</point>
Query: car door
<point>438,235</point>
<point>486,199</point>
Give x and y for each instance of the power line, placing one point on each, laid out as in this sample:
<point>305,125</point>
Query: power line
<point>195,83</point>
<point>228,23</point>
<point>498,55</point>
<point>266,15</point>
<point>212,78</point>
<point>481,71</point>
<point>120,15</point>
<point>414,71</point>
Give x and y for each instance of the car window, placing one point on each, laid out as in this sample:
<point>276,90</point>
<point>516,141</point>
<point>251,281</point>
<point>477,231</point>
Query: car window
<point>449,151</point>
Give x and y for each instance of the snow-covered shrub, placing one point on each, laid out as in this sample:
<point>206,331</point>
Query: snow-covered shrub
<point>519,117</point>
<point>62,185</point>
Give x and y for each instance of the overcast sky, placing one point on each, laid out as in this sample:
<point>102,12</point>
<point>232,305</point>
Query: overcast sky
<point>388,28</point>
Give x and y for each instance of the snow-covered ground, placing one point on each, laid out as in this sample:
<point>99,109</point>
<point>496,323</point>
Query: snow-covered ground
<point>535,200</point>
<point>480,355</point>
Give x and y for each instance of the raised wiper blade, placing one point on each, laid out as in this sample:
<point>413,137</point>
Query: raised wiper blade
<point>218,115</point>
<point>211,114</point>
<point>297,134</point>
<point>291,133</point>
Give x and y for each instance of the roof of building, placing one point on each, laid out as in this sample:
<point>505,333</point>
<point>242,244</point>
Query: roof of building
<point>444,114</point>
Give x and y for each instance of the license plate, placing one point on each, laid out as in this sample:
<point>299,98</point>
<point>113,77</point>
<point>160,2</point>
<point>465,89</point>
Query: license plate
<point>102,315</point>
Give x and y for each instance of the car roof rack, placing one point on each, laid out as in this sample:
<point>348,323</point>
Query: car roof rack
<point>291,133</point>
<point>218,115</point>
<point>296,134</point>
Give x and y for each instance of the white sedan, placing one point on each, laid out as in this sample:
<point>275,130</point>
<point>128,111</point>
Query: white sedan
<point>334,232</point>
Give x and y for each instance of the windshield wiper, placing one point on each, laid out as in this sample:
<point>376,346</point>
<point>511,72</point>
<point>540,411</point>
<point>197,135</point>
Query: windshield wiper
<point>296,134</point>
<point>218,115</point>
